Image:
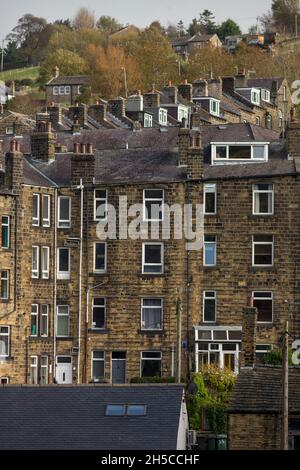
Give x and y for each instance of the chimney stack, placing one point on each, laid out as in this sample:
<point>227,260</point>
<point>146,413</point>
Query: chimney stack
<point>186,90</point>
<point>82,164</point>
<point>293,136</point>
<point>170,92</point>
<point>43,142</point>
<point>14,167</point>
<point>80,113</point>
<point>191,153</point>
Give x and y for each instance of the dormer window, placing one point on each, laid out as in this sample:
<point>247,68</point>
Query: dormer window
<point>255,97</point>
<point>265,95</point>
<point>215,107</point>
<point>238,152</point>
<point>163,116</point>
<point>211,105</point>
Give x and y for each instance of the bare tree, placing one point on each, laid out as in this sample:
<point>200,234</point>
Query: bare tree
<point>84,19</point>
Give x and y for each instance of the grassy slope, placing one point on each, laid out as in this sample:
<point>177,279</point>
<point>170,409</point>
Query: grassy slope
<point>19,74</point>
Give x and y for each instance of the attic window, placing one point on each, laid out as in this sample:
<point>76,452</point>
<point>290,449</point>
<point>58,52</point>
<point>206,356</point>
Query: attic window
<point>241,152</point>
<point>125,410</point>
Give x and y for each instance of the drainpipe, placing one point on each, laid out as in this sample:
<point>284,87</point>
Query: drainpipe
<point>54,285</point>
<point>81,187</point>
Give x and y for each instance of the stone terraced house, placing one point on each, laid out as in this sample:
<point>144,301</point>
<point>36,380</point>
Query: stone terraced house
<point>77,309</point>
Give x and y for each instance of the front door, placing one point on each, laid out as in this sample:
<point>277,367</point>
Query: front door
<point>118,367</point>
<point>64,369</point>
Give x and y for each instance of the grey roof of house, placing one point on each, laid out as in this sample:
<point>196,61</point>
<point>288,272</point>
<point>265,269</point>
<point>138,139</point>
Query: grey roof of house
<point>73,417</point>
<point>258,390</point>
<point>266,83</point>
<point>69,80</point>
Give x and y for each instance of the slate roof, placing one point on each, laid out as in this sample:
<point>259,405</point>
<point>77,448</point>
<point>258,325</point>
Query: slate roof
<point>266,83</point>
<point>69,80</point>
<point>258,390</point>
<point>73,417</point>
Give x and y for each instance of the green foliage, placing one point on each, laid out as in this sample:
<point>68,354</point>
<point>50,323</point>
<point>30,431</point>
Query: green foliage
<point>274,357</point>
<point>283,14</point>
<point>214,389</point>
<point>108,25</point>
<point>228,28</point>
<point>68,63</point>
<point>153,380</point>
<point>30,73</point>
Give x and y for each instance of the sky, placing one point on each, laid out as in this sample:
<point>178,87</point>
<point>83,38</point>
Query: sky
<point>138,12</point>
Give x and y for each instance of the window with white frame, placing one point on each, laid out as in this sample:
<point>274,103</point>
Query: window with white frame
<point>210,198</point>
<point>262,250</point>
<point>5,231</point>
<point>4,284</point>
<point>265,95</point>
<point>35,262</point>
<point>163,116</point>
<point>44,370</point>
<point>64,212</point>
<point>45,261</point>
<point>99,313</point>
<point>98,366</point>
<point>263,199</point>
<point>100,204</point>
<point>147,120</point>
<point>46,210</point>
<point>36,210</point>
<point>151,364</point>
<point>67,90</point>
<point>34,323</point>
<point>153,258</point>
<point>209,306</point>
<point>263,301</point>
<point>152,314</point>
<point>33,370</point>
<point>61,90</point>
<point>284,89</point>
<point>4,380</point>
<point>153,205</point>
<point>280,118</point>
<point>255,97</point>
<point>9,130</point>
<point>257,120</point>
<point>63,263</point>
<point>210,250</point>
<point>262,350</point>
<point>100,255</point>
<point>44,320</point>
<point>230,152</point>
<point>63,320</point>
<point>4,341</point>
<point>214,107</point>
<point>55,90</point>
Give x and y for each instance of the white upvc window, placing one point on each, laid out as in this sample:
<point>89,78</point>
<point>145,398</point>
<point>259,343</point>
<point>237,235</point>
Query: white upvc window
<point>231,152</point>
<point>263,199</point>
<point>33,370</point>
<point>44,370</point>
<point>153,258</point>
<point>67,90</point>
<point>255,96</point>
<point>210,198</point>
<point>151,363</point>
<point>209,306</point>
<point>100,204</point>
<point>263,301</point>
<point>262,250</point>
<point>265,95</point>
<point>63,320</point>
<point>4,380</point>
<point>63,263</point>
<point>55,90</point>
<point>46,198</point>
<point>284,89</point>
<point>9,130</point>
<point>64,212</point>
<point>152,314</point>
<point>61,90</point>
<point>214,107</point>
<point>35,262</point>
<point>100,257</point>
<point>99,313</point>
<point>98,366</point>
<point>4,341</point>
<point>4,284</point>
<point>45,261</point>
<point>153,205</point>
<point>34,323</point>
<point>280,118</point>
<point>44,320</point>
<point>5,232</point>
<point>210,251</point>
<point>36,210</point>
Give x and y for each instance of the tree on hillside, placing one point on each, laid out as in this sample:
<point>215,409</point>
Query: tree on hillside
<point>228,28</point>
<point>68,63</point>
<point>84,19</point>
<point>108,25</point>
<point>282,16</point>
<point>204,25</point>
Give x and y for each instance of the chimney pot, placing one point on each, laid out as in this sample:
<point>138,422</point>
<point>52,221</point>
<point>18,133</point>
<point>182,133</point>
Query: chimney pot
<point>13,146</point>
<point>76,147</point>
<point>89,148</point>
<point>83,148</point>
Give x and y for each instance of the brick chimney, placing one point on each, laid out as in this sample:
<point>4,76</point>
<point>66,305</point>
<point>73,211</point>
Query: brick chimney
<point>43,142</point>
<point>55,115</point>
<point>249,336</point>
<point>82,164</point>
<point>228,85</point>
<point>117,107</point>
<point>293,137</point>
<point>215,87</point>
<point>152,99</point>
<point>170,92</point>
<point>191,153</point>
<point>80,113</point>
<point>98,112</point>
<point>14,167</point>
<point>241,79</point>
<point>200,88</point>
<point>186,90</point>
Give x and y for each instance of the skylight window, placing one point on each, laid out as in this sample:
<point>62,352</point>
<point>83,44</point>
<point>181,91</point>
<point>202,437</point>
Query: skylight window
<point>125,410</point>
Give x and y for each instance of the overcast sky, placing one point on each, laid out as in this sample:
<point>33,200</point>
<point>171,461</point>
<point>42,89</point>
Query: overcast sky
<point>139,12</point>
